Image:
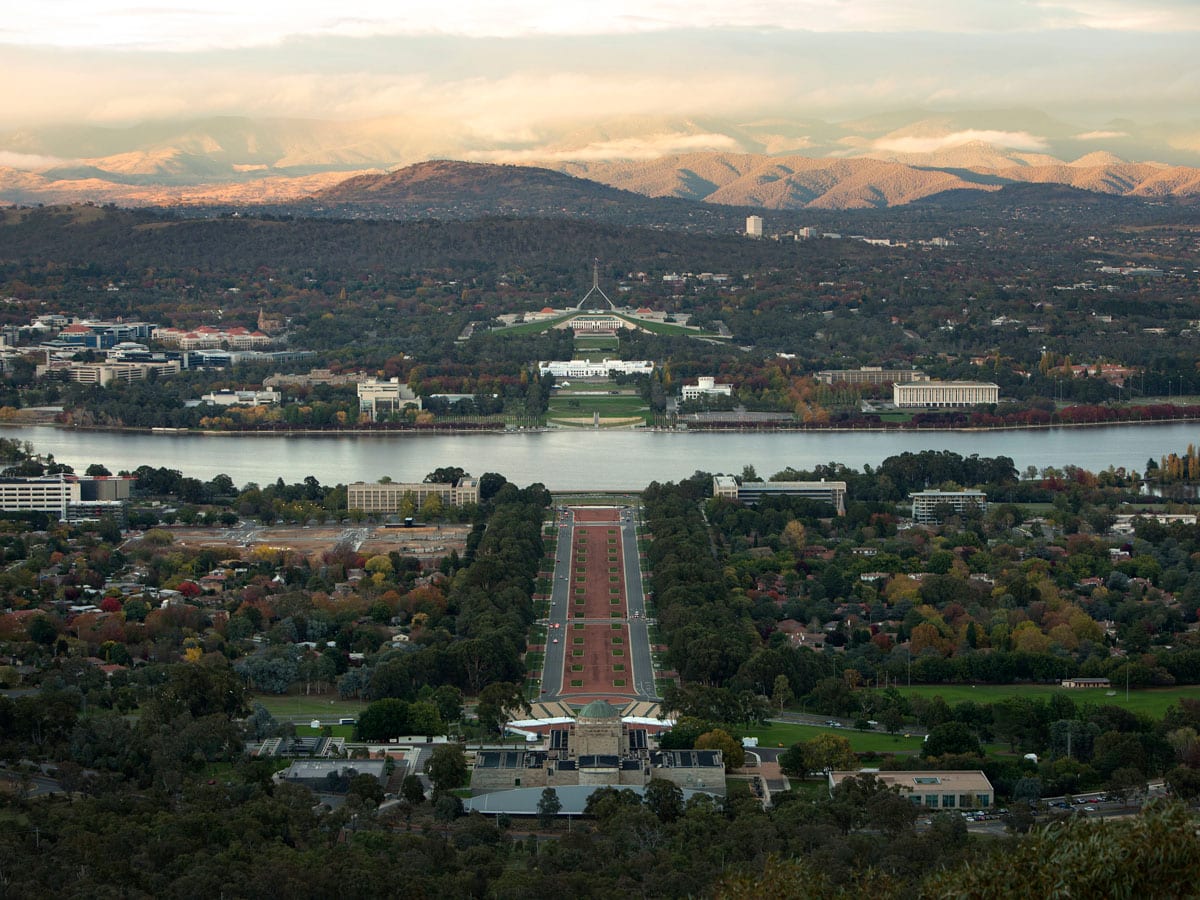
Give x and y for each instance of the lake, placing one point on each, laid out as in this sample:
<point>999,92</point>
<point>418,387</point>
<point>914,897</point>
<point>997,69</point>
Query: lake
<point>582,459</point>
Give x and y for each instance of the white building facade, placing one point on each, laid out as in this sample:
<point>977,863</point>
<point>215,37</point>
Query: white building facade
<point>378,399</point>
<point>945,393</point>
<point>584,368</point>
<point>705,385</point>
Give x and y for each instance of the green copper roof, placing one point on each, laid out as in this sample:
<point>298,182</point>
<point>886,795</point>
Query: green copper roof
<point>599,709</point>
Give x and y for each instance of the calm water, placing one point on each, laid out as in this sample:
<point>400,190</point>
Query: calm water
<point>570,460</point>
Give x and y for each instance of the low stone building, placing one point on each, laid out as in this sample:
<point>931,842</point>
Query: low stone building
<point>600,750</point>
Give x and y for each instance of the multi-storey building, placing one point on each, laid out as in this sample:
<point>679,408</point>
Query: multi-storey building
<point>378,399</point>
<point>388,497</point>
<point>831,492</point>
<point>945,393</point>
<point>925,504</point>
<point>705,385</point>
<point>870,375</point>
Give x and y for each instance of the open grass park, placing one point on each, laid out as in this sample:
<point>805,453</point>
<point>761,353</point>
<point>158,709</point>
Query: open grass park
<point>784,734</point>
<point>1151,701</point>
<point>327,708</point>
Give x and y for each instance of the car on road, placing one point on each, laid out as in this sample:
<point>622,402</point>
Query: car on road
<point>556,640</point>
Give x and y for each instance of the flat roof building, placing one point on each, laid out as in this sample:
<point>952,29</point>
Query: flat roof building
<point>584,368</point>
<point>704,386</point>
<point>870,375</point>
<point>932,789</point>
<point>927,506</point>
<point>48,493</point>
<point>945,393</point>
<point>832,492</point>
<point>388,497</point>
<point>379,399</point>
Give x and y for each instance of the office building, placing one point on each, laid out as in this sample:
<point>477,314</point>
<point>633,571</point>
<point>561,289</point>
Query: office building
<point>705,385</point>
<point>379,399</point>
<point>750,492</point>
<point>870,375</point>
<point>387,497</point>
<point>927,506</point>
<point>945,393</point>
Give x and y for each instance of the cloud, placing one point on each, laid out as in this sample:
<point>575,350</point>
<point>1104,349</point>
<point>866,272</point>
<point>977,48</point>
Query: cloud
<point>29,162</point>
<point>639,148</point>
<point>1013,140</point>
<point>235,23</point>
<point>1101,135</point>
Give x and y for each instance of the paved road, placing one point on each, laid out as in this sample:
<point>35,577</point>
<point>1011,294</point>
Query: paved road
<point>560,604</point>
<point>640,659</point>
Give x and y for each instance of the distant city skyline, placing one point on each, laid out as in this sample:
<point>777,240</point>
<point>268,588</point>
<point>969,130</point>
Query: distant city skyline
<point>503,78</point>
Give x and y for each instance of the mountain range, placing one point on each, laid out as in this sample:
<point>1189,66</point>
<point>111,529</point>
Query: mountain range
<point>883,161</point>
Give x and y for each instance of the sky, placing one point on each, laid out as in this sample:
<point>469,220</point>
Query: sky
<point>502,72</point>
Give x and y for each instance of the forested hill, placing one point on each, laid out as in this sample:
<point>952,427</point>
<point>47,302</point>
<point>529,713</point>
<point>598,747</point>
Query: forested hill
<point>447,189</point>
<point>115,242</point>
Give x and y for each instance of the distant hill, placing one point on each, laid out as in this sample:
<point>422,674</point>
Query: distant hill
<point>796,182</point>
<point>451,185</point>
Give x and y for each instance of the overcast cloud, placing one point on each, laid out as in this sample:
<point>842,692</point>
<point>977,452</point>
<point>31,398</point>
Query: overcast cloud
<point>505,72</point>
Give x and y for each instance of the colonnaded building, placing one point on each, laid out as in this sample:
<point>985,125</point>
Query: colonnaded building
<point>945,393</point>
<point>597,749</point>
<point>584,368</point>
<point>387,497</point>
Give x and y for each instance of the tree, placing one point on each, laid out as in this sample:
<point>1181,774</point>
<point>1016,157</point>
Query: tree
<point>447,768</point>
<point>367,787</point>
<point>731,750</point>
<point>664,799</point>
<point>861,801</point>
<point>383,720</point>
<point>425,719</point>
<point>411,790</point>
<point>496,703</point>
<point>781,692</point>
<point>449,701</point>
<point>794,536</point>
<point>1155,854</point>
<point>950,737</point>
<point>1127,781</point>
<point>433,507</point>
<point>828,752</point>
<point>548,806</point>
<point>446,475</point>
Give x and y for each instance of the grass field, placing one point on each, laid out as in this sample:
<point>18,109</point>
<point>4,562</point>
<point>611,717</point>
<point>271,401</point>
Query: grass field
<point>1152,701</point>
<point>327,708</point>
<point>608,406</point>
<point>785,734</point>
<point>342,731</point>
<point>669,328</point>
